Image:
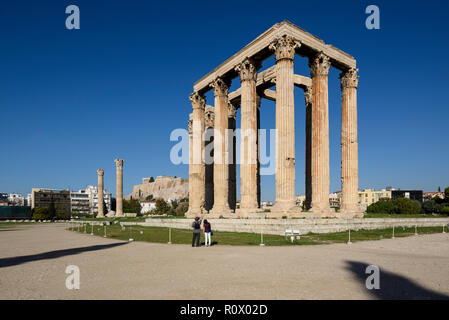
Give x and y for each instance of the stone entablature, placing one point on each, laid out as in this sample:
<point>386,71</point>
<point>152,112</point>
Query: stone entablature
<point>259,48</point>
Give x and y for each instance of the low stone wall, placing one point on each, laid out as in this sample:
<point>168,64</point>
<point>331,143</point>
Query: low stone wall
<point>278,226</point>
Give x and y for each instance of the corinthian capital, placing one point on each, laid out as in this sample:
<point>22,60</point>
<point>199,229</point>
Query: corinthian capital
<point>247,70</point>
<point>319,64</point>
<point>349,78</point>
<point>221,88</point>
<point>198,101</point>
<point>100,172</point>
<point>284,47</point>
<point>232,110</point>
<point>119,163</point>
<point>189,126</point>
<point>209,117</point>
<point>308,95</point>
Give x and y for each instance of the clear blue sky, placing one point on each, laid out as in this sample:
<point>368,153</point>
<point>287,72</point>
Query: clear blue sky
<point>72,101</point>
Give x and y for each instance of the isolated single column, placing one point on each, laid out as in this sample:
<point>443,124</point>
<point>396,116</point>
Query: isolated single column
<point>100,206</point>
<point>119,187</point>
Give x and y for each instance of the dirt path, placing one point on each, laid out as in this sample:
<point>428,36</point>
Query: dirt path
<point>33,260</point>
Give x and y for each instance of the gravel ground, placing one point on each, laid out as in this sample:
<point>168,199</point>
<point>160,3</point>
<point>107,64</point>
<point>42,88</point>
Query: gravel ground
<point>33,260</point>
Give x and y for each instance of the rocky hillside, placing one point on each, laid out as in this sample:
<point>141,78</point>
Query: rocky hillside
<point>165,187</point>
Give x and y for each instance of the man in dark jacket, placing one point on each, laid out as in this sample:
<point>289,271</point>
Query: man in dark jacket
<point>196,225</point>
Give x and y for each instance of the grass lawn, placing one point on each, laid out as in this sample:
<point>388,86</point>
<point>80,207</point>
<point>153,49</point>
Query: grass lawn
<point>403,216</point>
<point>181,236</point>
<point>129,219</point>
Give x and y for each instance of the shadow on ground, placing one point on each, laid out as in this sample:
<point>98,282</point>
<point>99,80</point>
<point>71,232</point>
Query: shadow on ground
<point>393,286</point>
<point>13,261</point>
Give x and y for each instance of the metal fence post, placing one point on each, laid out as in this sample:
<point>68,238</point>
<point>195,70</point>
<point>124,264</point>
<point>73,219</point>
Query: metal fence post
<point>169,235</point>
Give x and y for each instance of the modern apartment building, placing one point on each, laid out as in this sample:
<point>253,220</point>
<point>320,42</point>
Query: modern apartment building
<point>41,197</point>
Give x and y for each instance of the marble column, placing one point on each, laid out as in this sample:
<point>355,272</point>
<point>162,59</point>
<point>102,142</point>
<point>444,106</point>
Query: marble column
<point>209,157</point>
<point>319,69</point>
<point>308,96</point>
<point>284,48</point>
<point>259,191</point>
<point>197,182</point>
<point>248,147</point>
<point>221,161</point>
<point>349,145</point>
<point>231,146</point>
<point>119,188</point>
<point>100,206</point>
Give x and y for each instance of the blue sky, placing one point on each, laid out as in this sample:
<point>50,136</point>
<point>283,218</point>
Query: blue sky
<point>72,101</point>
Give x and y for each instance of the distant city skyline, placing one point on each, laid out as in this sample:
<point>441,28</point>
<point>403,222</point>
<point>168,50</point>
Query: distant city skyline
<point>75,100</point>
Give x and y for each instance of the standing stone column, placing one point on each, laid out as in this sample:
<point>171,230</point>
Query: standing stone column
<point>248,148</point>
<point>221,161</point>
<point>319,69</point>
<point>308,96</point>
<point>259,192</point>
<point>100,207</point>
<point>285,123</point>
<point>197,182</point>
<point>209,157</point>
<point>231,147</point>
<point>349,145</point>
<point>119,188</point>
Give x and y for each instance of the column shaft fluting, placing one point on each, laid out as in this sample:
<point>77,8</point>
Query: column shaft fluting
<point>197,179</point>
<point>100,189</point>
<point>285,123</point>
<point>349,144</point>
<point>319,69</point>
<point>119,187</point>
<point>221,154</point>
<point>248,147</point>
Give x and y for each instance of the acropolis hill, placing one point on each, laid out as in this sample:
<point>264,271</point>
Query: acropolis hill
<point>166,187</point>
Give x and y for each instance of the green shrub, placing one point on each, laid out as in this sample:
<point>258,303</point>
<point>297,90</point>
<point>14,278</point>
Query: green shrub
<point>382,206</point>
<point>162,206</point>
<point>182,209</point>
<point>406,206</point>
<point>431,206</point>
<point>445,210</point>
<point>41,213</point>
<point>131,206</point>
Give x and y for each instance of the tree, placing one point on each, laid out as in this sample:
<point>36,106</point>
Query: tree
<point>382,206</point>
<point>182,209</point>
<point>41,213</point>
<point>446,194</point>
<point>52,210</point>
<point>161,206</point>
<point>149,197</point>
<point>431,206</point>
<point>406,206</point>
<point>151,179</point>
<point>439,189</point>
<point>64,215</point>
<point>131,206</point>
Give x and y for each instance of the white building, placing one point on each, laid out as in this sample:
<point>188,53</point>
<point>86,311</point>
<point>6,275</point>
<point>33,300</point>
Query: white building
<point>80,203</point>
<point>16,199</point>
<point>85,202</point>
<point>28,200</point>
<point>93,194</point>
<point>147,206</point>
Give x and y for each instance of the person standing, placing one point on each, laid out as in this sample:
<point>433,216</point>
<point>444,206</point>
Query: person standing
<point>196,225</point>
<point>207,233</point>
